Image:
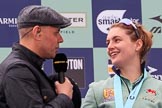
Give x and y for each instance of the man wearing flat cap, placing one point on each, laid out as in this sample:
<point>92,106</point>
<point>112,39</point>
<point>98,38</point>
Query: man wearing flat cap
<point>23,83</point>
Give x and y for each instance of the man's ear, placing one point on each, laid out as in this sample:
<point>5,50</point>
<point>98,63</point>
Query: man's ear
<point>139,44</point>
<point>36,32</point>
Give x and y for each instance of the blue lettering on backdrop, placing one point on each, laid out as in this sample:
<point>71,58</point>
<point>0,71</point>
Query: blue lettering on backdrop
<point>9,10</point>
<point>154,63</point>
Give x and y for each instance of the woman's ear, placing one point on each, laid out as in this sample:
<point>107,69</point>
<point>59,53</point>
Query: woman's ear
<point>139,44</point>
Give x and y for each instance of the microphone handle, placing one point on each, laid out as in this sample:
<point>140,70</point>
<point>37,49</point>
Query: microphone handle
<point>61,77</point>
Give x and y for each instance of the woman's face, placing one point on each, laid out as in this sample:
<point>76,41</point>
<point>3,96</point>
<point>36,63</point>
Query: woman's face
<point>120,48</point>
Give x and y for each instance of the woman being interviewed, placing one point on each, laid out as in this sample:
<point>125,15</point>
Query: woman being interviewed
<point>132,86</point>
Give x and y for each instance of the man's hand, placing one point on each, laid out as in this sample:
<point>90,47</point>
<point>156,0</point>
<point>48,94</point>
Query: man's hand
<point>64,88</point>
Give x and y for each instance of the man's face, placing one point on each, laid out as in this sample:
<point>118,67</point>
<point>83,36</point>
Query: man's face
<point>50,41</point>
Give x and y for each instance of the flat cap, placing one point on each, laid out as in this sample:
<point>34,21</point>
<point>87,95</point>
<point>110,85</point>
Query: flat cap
<point>33,15</point>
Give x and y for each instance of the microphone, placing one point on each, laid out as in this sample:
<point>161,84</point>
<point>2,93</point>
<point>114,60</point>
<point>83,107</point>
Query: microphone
<point>60,66</point>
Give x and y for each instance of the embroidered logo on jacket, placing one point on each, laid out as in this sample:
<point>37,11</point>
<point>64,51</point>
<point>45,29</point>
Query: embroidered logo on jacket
<point>108,94</point>
<point>150,91</point>
<point>151,94</point>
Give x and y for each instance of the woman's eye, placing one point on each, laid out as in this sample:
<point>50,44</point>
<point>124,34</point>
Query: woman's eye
<point>107,43</point>
<point>117,40</point>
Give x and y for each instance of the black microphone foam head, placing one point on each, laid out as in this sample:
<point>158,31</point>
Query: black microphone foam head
<point>60,62</point>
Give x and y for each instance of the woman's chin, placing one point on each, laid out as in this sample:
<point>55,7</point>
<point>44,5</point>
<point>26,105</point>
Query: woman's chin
<point>115,62</point>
